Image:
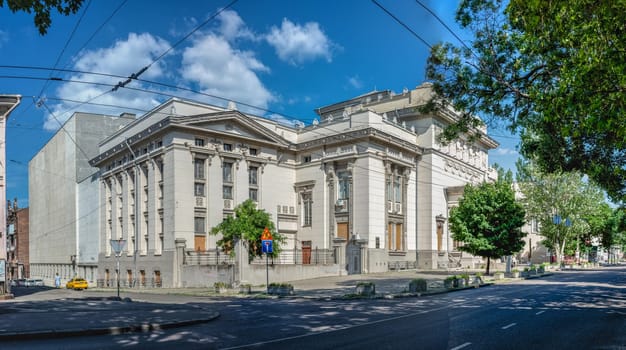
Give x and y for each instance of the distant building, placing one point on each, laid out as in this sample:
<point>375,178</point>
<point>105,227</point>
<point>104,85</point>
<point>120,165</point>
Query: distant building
<point>366,188</point>
<point>7,104</point>
<point>533,252</point>
<point>17,242</point>
<point>63,198</point>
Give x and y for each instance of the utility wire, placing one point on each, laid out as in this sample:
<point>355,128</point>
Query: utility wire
<point>443,23</point>
<point>402,24</point>
<point>136,75</point>
<point>67,42</point>
<point>101,26</point>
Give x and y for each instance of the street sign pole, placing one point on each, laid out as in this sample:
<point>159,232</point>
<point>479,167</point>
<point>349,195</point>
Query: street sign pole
<point>118,246</point>
<point>267,273</point>
<point>267,248</point>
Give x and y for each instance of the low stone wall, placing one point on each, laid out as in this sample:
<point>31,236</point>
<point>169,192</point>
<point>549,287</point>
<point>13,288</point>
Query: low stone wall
<point>256,274</point>
<point>204,276</point>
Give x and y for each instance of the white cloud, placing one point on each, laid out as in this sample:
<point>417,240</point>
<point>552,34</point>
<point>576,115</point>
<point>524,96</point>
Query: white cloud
<point>281,119</point>
<point>219,69</point>
<point>124,57</point>
<point>4,37</point>
<point>233,27</point>
<point>297,44</point>
<point>502,151</point>
<point>209,63</point>
<point>355,82</point>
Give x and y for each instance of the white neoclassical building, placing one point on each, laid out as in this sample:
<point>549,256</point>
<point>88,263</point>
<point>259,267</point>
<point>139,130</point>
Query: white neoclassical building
<point>366,188</point>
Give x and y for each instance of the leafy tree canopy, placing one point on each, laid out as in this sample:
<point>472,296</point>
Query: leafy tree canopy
<point>247,224</point>
<point>567,195</point>
<point>488,221</point>
<point>42,8</point>
<point>553,70</point>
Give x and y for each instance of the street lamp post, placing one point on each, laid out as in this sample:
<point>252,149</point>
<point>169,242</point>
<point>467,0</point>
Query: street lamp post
<point>118,246</point>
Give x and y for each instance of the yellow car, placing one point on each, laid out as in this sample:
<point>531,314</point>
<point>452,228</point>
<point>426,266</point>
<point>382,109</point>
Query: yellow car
<point>76,283</point>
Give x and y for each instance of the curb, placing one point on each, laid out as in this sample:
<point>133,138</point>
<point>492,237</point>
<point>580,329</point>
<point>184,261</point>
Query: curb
<point>144,327</point>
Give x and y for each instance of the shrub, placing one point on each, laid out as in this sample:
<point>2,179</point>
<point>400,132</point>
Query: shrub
<point>466,277</point>
<point>365,288</point>
<point>418,285</point>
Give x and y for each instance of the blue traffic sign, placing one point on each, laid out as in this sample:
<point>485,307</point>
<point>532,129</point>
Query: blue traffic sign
<point>267,246</point>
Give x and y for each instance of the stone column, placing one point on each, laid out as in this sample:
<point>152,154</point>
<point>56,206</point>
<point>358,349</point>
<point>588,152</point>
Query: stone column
<point>179,261</point>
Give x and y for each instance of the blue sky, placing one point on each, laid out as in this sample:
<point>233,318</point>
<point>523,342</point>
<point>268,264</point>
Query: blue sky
<point>288,57</point>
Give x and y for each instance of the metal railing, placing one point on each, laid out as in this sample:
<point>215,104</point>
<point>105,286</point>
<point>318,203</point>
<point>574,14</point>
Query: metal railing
<point>124,283</point>
<point>208,257</point>
<point>313,256</point>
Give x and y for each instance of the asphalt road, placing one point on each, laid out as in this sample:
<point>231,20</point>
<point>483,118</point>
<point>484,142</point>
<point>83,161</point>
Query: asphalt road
<point>570,310</point>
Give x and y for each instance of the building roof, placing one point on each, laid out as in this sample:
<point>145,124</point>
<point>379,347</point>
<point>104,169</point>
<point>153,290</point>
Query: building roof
<point>8,104</point>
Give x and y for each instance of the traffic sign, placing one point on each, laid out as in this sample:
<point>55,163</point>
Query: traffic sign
<point>267,246</point>
<point>266,235</point>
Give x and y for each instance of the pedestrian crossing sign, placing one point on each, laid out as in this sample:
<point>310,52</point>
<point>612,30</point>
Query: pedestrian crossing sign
<point>266,235</point>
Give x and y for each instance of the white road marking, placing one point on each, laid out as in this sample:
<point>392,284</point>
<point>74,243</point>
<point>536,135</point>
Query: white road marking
<point>540,312</point>
<point>342,327</point>
<point>461,346</point>
<point>509,325</point>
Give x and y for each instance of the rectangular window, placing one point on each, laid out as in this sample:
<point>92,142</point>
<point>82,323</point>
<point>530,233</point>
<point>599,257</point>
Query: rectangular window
<point>398,188</point>
<point>344,186</point>
<point>199,142</point>
<point>199,224</point>
<point>389,190</point>
<point>228,147</point>
<point>307,209</point>
<point>306,159</point>
<point>198,168</point>
<point>227,172</point>
<point>252,175</point>
<point>253,151</point>
<point>198,189</point>
<point>254,194</point>
<point>227,192</point>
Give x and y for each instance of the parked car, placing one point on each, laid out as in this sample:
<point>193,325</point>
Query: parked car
<point>76,283</point>
<point>33,282</point>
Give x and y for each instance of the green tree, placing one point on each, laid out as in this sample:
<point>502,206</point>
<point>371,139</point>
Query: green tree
<point>614,230</point>
<point>565,204</point>
<point>41,9</point>
<point>553,70</point>
<point>247,224</point>
<point>488,221</point>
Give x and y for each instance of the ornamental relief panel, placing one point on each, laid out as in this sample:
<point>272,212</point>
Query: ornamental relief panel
<point>463,171</point>
<point>466,153</point>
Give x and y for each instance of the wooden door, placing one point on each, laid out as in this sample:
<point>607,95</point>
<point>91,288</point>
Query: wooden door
<point>199,243</point>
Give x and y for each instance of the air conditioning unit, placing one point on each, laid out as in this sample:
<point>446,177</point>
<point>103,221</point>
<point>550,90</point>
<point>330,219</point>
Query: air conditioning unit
<point>398,208</point>
<point>389,206</point>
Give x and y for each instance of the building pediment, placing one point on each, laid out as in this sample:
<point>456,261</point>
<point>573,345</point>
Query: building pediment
<point>231,123</point>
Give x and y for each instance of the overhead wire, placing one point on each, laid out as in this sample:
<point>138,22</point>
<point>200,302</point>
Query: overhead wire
<point>164,94</point>
<point>402,24</point>
<point>135,76</point>
<point>67,42</point>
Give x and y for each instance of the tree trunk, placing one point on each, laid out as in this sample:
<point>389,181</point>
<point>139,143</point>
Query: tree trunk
<point>488,262</point>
